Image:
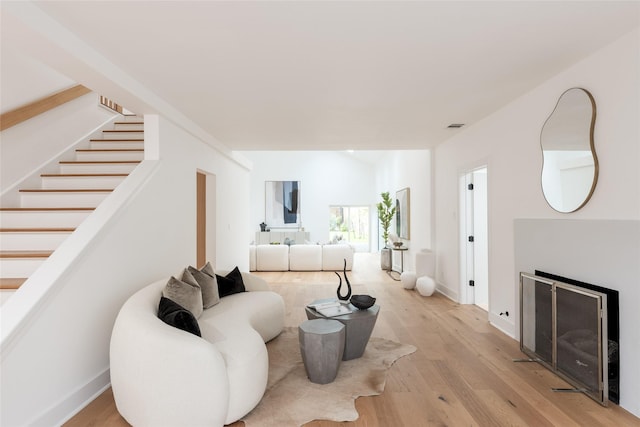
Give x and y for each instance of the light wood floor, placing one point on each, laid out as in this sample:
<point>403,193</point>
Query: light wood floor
<point>461,375</point>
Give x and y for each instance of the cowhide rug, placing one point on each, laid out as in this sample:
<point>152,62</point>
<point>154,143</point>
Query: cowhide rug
<point>292,400</point>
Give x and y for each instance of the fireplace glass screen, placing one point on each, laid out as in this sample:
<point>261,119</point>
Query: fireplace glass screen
<point>564,327</point>
<point>537,328</point>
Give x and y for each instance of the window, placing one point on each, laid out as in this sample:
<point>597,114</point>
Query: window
<point>349,224</point>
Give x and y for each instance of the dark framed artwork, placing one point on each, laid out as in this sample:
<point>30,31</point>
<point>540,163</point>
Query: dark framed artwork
<point>282,204</point>
<point>403,218</point>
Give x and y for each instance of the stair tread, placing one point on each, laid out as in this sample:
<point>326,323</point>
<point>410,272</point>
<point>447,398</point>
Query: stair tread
<point>78,175</point>
<point>37,230</point>
<point>67,190</point>
<point>109,150</point>
<point>11,283</point>
<point>123,130</point>
<point>25,254</point>
<point>117,140</point>
<point>44,209</point>
<point>110,162</point>
<point>129,123</point>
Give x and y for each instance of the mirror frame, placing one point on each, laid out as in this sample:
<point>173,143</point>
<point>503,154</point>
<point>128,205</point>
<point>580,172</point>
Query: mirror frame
<point>596,170</point>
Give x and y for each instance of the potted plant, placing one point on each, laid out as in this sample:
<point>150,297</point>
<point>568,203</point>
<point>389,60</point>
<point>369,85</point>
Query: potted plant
<point>386,211</point>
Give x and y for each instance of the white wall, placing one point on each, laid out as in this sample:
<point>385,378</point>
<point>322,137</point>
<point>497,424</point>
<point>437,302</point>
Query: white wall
<point>24,79</point>
<point>36,141</point>
<point>327,178</point>
<point>412,169</point>
<point>508,142</point>
<point>59,356</point>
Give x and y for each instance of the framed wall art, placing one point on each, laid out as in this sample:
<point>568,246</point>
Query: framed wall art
<point>282,204</point>
<point>403,218</point>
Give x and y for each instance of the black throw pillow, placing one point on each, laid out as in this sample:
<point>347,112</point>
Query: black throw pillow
<point>172,313</point>
<point>231,283</point>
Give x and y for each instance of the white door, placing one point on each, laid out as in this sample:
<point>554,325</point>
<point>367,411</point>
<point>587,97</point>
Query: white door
<point>474,258</point>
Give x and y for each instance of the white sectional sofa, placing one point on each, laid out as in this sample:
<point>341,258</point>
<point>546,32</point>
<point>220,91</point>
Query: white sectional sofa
<point>272,258</point>
<point>300,257</point>
<point>333,257</point>
<point>164,376</point>
<point>305,258</point>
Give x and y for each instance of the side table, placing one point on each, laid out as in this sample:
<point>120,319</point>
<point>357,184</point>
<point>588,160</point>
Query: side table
<point>397,267</point>
<point>322,347</point>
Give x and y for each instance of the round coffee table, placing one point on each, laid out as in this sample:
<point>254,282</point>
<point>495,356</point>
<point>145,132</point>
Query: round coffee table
<point>358,327</point>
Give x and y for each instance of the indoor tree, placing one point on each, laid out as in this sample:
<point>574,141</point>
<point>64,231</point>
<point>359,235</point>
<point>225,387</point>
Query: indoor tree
<point>386,210</point>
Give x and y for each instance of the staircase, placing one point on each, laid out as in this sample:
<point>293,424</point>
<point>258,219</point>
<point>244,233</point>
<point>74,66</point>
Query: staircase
<point>46,216</point>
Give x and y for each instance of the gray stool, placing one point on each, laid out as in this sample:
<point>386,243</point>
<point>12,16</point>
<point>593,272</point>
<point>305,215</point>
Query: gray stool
<point>322,347</point>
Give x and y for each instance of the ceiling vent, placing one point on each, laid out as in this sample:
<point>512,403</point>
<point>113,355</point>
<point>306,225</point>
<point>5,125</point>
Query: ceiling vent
<point>455,125</point>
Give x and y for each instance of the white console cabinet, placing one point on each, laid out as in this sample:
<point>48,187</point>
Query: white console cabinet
<point>267,237</point>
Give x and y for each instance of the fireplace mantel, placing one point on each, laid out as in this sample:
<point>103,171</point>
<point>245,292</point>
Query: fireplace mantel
<point>602,252</point>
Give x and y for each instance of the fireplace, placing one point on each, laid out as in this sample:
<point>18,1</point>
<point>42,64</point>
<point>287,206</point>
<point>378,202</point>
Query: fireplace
<point>572,328</point>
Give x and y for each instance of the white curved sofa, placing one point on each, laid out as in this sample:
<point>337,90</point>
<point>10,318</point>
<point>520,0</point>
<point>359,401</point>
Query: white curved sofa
<point>163,376</point>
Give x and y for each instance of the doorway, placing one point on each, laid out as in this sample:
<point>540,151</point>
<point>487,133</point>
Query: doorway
<point>474,243</point>
<point>205,218</point>
<point>350,224</point>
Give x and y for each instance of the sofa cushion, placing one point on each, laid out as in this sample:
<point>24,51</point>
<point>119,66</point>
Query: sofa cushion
<point>272,257</point>
<point>231,283</point>
<point>333,257</point>
<point>252,258</point>
<point>206,278</point>
<point>172,313</point>
<point>305,258</point>
<point>186,292</point>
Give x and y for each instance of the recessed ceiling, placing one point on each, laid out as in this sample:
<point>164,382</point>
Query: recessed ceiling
<point>331,75</point>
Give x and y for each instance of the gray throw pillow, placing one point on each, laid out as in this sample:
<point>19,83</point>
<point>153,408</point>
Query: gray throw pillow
<point>206,278</point>
<point>185,292</point>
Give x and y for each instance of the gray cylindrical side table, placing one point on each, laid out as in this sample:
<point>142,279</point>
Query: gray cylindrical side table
<point>322,347</point>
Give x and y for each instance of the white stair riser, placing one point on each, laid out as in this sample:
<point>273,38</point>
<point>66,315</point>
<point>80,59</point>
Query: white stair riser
<point>81,182</point>
<point>97,168</point>
<point>122,135</point>
<point>5,295</point>
<point>48,219</point>
<point>19,267</point>
<point>62,200</point>
<point>96,144</point>
<point>128,126</point>
<point>34,241</point>
<point>108,156</point>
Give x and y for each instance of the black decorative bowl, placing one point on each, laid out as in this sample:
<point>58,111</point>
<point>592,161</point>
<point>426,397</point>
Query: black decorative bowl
<point>362,302</point>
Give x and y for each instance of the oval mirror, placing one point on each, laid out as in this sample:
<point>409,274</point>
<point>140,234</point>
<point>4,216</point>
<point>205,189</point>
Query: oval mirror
<point>569,162</point>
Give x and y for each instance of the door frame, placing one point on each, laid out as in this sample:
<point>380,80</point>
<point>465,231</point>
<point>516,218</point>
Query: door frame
<point>466,229</point>
<point>205,217</point>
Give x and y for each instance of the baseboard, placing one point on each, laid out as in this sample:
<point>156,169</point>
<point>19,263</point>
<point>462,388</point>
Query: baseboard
<point>447,292</point>
<point>73,403</point>
<point>504,325</point>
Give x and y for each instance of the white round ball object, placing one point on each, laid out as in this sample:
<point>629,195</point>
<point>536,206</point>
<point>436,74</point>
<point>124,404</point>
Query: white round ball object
<point>426,286</point>
<point>408,279</point>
